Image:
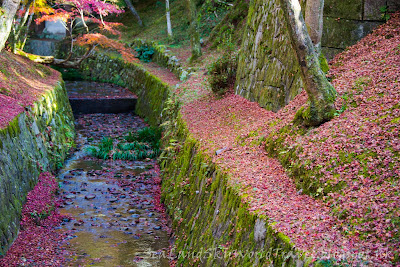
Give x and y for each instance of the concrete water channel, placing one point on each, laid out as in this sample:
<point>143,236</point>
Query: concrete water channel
<point>116,218</point>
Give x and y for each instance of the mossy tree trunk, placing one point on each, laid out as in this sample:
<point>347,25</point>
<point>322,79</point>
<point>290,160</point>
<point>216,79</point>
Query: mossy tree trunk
<point>321,93</point>
<point>7,13</point>
<point>194,33</point>
<point>27,28</point>
<point>314,21</point>
<point>134,12</point>
<point>19,28</point>
<point>168,15</point>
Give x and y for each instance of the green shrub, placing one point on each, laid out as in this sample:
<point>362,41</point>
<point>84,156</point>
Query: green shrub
<point>150,135</point>
<point>145,53</point>
<point>223,73</point>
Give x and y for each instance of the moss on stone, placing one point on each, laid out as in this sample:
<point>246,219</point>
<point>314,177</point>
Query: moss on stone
<point>214,215</point>
<point>25,152</point>
<point>268,71</point>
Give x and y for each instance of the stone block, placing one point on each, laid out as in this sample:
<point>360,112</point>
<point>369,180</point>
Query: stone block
<point>372,9</point>
<point>344,9</point>
<point>330,53</point>
<point>266,67</point>
<point>341,33</point>
<point>393,5</point>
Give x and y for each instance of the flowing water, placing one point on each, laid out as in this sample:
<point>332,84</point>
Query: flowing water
<point>116,218</point>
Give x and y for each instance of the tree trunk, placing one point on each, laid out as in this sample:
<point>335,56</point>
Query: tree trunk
<point>27,29</point>
<point>133,10</point>
<point>314,21</point>
<point>64,63</point>
<point>169,28</point>
<point>9,8</point>
<point>321,93</point>
<point>83,20</point>
<point>18,29</point>
<point>194,33</point>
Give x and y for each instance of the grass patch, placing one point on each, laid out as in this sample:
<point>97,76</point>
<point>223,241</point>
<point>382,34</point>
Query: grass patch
<point>139,145</point>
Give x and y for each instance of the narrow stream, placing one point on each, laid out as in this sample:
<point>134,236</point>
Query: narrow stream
<point>116,218</point>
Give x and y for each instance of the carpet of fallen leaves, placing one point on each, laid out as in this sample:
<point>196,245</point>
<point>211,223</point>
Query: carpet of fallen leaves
<point>164,74</point>
<point>367,131</point>
<point>38,243</point>
<point>94,90</point>
<point>22,82</point>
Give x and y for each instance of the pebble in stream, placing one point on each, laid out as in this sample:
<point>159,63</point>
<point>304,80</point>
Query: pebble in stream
<point>116,220</point>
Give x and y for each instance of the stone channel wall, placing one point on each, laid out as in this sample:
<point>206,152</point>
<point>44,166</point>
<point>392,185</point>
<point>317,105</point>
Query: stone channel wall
<point>210,220</point>
<point>268,72</point>
<point>35,141</point>
<point>162,57</point>
<point>212,223</point>
<point>150,90</point>
<point>346,22</point>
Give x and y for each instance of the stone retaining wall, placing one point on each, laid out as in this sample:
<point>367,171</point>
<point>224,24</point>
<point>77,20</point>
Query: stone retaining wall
<point>210,220</point>
<point>347,22</point>
<point>35,141</point>
<point>268,72</point>
<point>162,57</point>
<point>150,90</point>
<point>212,223</point>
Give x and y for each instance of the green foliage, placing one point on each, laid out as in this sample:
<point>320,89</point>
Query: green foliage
<point>40,215</point>
<point>323,63</point>
<point>133,146</point>
<point>211,13</point>
<point>223,73</point>
<point>103,150</point>
<point>361,84</point>
<point>136,154</point>
<point>384,13</point>
<point>230,28</point>
<point>145,53</point>
<point>345,98</point>
<point>150,135</point>
<point>142,144</point>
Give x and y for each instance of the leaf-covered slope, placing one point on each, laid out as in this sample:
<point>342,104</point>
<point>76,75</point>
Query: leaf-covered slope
<point>22,82</point>
<point>337,197</point>
<point>353,160</point>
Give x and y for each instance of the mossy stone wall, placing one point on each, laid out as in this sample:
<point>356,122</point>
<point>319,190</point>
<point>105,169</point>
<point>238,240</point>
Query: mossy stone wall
<point>35,141</point>
<point>268,72</point>
<point>212,222</point>
<point>348,21</point>
<point>150,90</point>
<point>163,57</point>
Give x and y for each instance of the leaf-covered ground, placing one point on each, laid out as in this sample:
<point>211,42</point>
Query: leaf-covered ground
<point>38,243</point>
<point>22,82</point>
<point>351,209</point>
<point>352,214</point>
